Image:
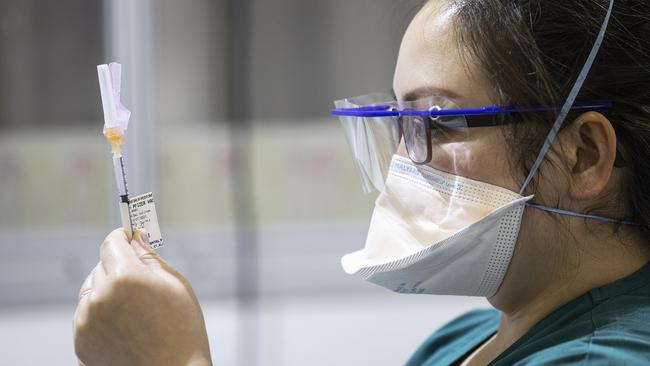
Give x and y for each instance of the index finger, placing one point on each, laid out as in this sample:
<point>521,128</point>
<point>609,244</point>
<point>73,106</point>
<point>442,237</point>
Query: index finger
<point>116,252</point>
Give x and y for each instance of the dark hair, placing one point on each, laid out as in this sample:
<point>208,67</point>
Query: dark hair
<point>532,52</point>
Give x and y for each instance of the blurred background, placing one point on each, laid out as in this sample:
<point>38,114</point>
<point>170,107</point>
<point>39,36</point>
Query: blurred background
<point>256,194</point>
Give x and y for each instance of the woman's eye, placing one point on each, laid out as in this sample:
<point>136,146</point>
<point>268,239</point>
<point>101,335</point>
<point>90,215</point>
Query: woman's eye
<point>439,128</point>
<point>445,131</point>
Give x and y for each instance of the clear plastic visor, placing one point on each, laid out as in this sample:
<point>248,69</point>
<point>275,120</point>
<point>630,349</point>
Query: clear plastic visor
<point>427,131</point>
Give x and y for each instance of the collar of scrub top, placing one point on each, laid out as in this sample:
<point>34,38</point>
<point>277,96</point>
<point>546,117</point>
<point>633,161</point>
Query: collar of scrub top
<point>474,117</point>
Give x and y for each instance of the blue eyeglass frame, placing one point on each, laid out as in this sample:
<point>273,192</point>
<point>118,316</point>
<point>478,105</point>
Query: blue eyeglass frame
<point>475,117</point>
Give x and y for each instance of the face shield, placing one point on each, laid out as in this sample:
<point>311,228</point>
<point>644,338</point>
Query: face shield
<point>370,125</point>
<point>435,132</point>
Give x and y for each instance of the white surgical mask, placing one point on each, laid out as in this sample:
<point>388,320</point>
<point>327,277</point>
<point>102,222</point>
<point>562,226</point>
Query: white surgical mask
<point>436,233</point>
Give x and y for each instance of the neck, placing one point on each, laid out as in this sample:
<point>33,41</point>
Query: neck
<point>531,291</point>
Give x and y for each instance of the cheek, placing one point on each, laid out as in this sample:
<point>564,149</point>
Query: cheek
<point>483,157</point>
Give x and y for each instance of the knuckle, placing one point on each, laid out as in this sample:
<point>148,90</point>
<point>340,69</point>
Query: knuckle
<point>149,257</point>
<point>84,292</point>
<point>150,254</point>
<point>105,245</point>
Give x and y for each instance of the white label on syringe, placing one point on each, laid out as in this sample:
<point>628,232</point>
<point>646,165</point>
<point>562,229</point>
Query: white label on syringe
<point>142,210</point>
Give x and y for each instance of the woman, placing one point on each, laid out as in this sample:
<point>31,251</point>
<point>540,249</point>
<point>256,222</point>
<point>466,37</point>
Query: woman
<point>550,227</point>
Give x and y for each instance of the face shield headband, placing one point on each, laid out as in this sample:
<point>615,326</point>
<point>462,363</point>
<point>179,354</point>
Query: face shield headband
<point>375,123</point>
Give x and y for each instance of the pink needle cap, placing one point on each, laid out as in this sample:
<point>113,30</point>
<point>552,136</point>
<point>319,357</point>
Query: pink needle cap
<point>116,116</point>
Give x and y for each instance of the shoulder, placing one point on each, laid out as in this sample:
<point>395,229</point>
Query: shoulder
<point>457,337</point>
<point>605,349</point>
<point>619,335</point>
<point>622,330</point>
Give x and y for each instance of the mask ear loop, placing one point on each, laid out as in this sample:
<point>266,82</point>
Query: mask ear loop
<point>570,99</point>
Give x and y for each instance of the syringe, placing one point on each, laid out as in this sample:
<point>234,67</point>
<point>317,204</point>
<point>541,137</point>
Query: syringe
<point>116,119</point>
<point>120,179</point>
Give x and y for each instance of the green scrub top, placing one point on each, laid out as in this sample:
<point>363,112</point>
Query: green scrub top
<point>609,325</point>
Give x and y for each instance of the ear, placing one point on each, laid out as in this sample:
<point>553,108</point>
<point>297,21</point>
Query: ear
<point>594,151</point>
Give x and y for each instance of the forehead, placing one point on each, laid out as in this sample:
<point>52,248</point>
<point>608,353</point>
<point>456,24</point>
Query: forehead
<point>430,61</point>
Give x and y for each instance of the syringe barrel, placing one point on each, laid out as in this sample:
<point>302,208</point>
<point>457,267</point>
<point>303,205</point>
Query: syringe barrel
<point>120,175</point>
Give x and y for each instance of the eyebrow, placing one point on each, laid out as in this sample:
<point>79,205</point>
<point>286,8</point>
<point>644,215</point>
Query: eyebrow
<point>429,91</point>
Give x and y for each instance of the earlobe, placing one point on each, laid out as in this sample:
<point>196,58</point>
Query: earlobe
<point>595,152</point>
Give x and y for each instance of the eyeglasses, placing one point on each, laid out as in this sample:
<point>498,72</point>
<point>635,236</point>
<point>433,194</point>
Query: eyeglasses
<point>424,123</point>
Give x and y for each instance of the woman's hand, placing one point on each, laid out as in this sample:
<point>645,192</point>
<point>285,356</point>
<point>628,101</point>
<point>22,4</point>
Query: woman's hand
<point>135,309</point>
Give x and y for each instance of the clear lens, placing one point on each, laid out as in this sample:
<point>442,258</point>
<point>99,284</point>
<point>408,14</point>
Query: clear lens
<point>416,138</point>
<point>448,129</point>
<point>427,138</point>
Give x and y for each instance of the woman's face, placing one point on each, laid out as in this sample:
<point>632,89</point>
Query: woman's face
<point>430,64</point>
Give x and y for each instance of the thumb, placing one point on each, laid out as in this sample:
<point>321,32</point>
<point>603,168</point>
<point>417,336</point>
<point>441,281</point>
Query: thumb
<point>140,244</point>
